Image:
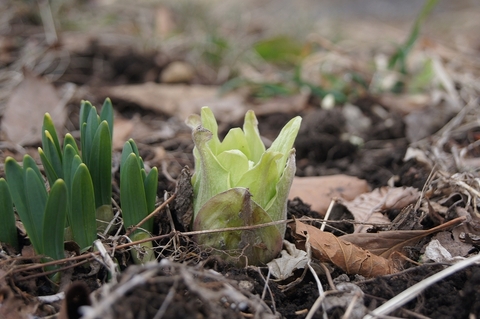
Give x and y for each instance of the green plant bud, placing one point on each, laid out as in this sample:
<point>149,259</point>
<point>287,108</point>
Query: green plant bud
<point>237,182</point>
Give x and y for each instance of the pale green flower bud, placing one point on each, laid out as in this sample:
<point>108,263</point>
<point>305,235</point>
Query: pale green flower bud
<point>239,183</point>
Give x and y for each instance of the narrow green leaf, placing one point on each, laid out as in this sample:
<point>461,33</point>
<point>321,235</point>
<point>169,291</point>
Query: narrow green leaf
<point>8,230</point>
<point>15,181</point>
<point>277,207</point>
<point>284,141</point>
<point>36,196</point>
<point>47,167</point>
<point>210,123</point>
<point>69,140</point>
<point>50,128</point>
<point>128,148</point>
<point>107,114</point>
<point>132,192</point>
<point>90,131</point>
<point>54,221</point>
<point>68,154</point>
<point>252,135</point>
<point>101,165</point>
<point>53,155</point>
<point>151,186</point>
<point>29,162</point>
<point>82,219</point>
<point>24,190</point>
<point>85,108</point>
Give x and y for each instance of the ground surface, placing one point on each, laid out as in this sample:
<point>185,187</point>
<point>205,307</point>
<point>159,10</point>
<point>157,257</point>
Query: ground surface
<point>413,137</point>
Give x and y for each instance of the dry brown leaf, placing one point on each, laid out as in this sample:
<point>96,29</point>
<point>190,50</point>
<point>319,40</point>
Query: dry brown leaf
<point>122,132</point>
<point>181,100</point>
<point>369,208</point>
<point>326,247</point>
<point>318,191</point>
<point>385,243</point>
<point>289,104</point>
<point>31,99</point>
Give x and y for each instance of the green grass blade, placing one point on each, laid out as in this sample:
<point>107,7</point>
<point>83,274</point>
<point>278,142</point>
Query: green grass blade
<point>101,165</point>
<point>151,186</point>
<point>50,127</point>
<point>68,154</point>
<point>400,56</point>
<point>36,196</point>
<point>69,140</point>
<point>53,154</point>
<point>131,147</point>
<point>24,190</point>
<point>8,230</point>
<point>85,109</point>
<point>54,221</point>
<point>15,181</point>
<point>126,151</point>
<point>132,192</point>
<point>107,114</point>
<point>90,131</point>
<point>82,219</point>
<point>29,162</point>
<point>47,167</point>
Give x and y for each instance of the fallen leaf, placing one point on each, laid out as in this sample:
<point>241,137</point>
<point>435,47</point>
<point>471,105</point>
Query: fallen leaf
<point>326,247</point>
<point>29,101</point>
<point>385,243</point>
<point>436,252</point>
<point>369,207</point>
<point>290,260</point>
<point>453,246</point>
<point>181,100</point>
<point>122,132</point>
<point>318,191</point>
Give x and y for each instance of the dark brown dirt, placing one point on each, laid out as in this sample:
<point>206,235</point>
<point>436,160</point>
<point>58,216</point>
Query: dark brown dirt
<point>321,150</point>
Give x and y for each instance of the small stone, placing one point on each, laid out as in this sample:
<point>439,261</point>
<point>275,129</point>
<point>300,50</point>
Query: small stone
<point>177,72</point>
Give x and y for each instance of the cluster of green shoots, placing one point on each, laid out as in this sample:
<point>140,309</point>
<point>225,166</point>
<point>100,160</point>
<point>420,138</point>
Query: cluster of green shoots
<point>237,183</point>
<point>75,203</point>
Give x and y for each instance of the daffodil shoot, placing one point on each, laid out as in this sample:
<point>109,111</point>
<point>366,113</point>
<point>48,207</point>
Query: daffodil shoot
<point>237,182</point>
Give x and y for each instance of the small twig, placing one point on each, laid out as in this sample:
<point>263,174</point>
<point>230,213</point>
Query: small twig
<point>321,292</point>
<point>352,303</point>
<point>319,302</point>
<point>327,214</point>
<point>46,273</point>
<point>159,208</point>
<point>48,22</point>
<point>110,265</point>
<point>166,302</point>
<point>329,276</point>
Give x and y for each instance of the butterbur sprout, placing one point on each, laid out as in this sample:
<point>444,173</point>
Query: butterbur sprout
<point>237,182</point>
